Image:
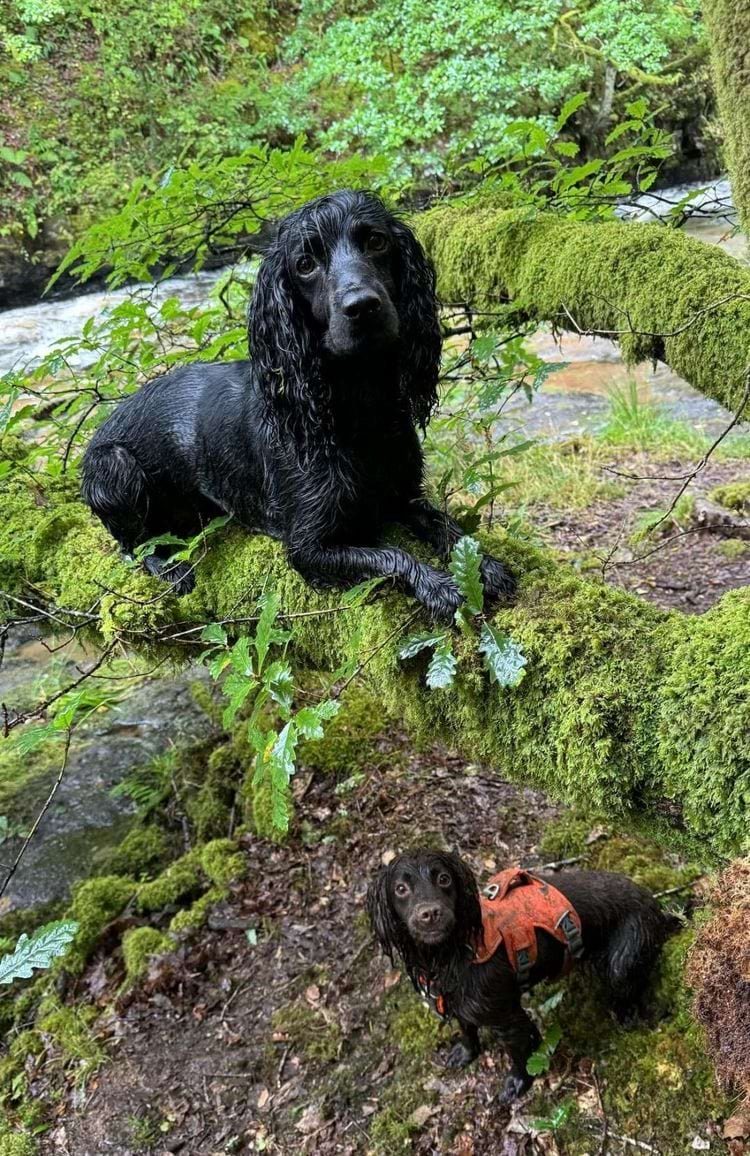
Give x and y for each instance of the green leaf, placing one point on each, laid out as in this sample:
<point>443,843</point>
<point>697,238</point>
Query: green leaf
<point>503,657</point>
<point>237,688</point>
<point>361,592</point>
<point>464,566</point>
<point>214,633</point>
<point>442,668</point>
<point>37,951</point>
<point>539,1061</point>
<point>267,634</point>
<point>280,683</point>
<point>310,719</point>
<point>570,107</point>
<point>416,643</point>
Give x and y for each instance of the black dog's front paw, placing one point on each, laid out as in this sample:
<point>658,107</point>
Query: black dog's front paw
<point>499,583</point>
<point>460,1055</point>
<point>440,595</point>
<point>514,1087</point>
<point>180,575</point>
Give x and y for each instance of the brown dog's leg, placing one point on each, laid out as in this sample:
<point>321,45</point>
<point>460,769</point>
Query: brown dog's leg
<point>466,1049</point>
<point>520,1036</point>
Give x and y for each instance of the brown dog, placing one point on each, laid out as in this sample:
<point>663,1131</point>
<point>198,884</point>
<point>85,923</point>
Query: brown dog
<point>473,957</point>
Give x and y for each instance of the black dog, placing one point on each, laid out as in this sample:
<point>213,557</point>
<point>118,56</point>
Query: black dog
<point>314,441</point>
<point>425,908</point>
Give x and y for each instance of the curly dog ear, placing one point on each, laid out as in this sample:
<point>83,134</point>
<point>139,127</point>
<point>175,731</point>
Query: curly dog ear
<point>467,908</point>
<point>284,350</point>
<point>421,340</point>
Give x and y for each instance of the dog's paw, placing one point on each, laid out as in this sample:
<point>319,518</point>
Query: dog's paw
<point>460,1055</point>
<point>439,594</point>
<point>499,583</point>
<point>514,1087</point>
<point>180,575</point>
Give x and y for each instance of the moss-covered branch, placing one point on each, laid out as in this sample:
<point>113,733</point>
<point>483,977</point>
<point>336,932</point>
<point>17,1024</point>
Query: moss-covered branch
<point>662,295</point>
<point>624,707</point>
<point>728,24</point>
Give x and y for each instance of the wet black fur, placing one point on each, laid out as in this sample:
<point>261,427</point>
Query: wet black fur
<point>623,929</point>
<point>314,441</point>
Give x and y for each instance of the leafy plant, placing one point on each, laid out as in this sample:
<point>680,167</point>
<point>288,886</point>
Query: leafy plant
<point>503,657</point>
<point>37,951</point>
<point>253,680</point>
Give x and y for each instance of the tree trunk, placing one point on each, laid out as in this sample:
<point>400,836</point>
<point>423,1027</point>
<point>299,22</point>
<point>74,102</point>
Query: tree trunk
<point>623,707</point>
<point>728,24</point>
<point>663,296</point>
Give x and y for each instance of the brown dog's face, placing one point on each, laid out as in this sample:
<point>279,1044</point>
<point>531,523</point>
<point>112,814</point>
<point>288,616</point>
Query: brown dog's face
<point>422,891</point>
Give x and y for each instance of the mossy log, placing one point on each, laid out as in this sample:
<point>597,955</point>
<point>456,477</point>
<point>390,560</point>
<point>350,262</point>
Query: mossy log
<point>728,24</point>
<point>624,707</point>
<point>662,295</point>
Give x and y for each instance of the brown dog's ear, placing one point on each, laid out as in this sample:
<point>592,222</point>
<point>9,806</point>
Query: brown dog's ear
<point>383,919</point>
<point>468,909</point>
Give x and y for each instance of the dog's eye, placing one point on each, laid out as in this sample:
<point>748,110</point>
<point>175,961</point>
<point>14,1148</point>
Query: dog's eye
<point>401,889</point>
<point>444,879</point>
<point>306,265</point>
<point>377,242</point>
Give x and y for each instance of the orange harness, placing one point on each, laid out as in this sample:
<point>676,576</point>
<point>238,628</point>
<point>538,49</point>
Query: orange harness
<point>515,905</point>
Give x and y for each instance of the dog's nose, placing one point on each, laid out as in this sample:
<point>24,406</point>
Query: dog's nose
<point>428,913</point>
<point>360,303</point>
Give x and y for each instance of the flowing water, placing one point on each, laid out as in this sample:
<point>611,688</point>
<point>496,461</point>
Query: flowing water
<point>86,820</point>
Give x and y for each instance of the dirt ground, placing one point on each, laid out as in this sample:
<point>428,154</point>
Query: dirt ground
<point>680,566</point>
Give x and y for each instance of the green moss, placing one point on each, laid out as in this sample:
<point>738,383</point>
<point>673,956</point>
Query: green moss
<point>95,903</point>
<point>193,917</point>
<point>209,808</point>
<point>552,267</point>
<point>180,880</point>
<point>139,944</point>
<point>69,1029</point>
<point>417,1030</point>
<point>349,740</point>
<point>728,27</point>
<point>393,1126</point>
<point>733,495</point>
<point>222,861</point>
<point>733,548</point>
<point>17,1144</point>
<point>141,850</point>
<point>315,1033</point>
<point>658,1081</point>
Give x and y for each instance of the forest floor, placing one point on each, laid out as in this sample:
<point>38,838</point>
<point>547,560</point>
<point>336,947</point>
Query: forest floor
<point>277,1027</point>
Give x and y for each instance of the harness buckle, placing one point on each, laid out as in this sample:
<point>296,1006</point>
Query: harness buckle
<point>492,890</point>
<point>571,933</point>
<point>523,971</point>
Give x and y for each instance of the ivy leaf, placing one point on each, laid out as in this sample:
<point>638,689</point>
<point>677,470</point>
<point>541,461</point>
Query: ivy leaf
<point>442,668</point>
<point>502,656</point>
<point>416,643</point>
<point>37,951</point>
<point>464,566</point>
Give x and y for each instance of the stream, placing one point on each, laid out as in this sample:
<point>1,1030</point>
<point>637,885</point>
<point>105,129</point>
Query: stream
<point>86,820</point>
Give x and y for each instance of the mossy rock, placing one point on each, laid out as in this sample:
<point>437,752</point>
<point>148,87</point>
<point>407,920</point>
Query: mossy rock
<point>95,903</point>
<point>142,849</point>
<point>732,495</point>
<point>139,945</point>
<point>178,882</point>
